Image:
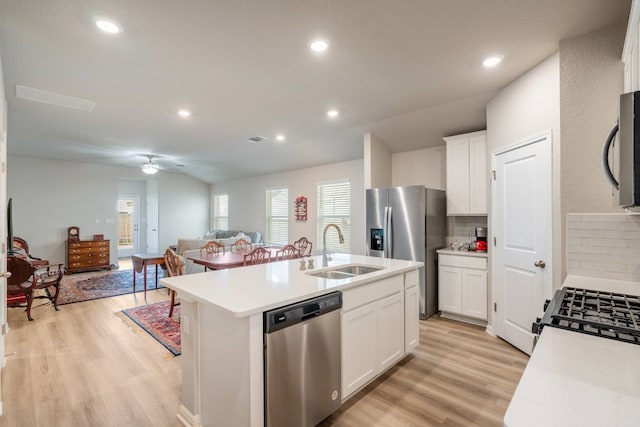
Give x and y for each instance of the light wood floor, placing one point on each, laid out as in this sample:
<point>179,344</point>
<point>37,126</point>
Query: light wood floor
<point>83,366</point>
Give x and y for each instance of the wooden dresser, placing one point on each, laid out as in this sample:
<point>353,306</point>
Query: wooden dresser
<point>85,255</point>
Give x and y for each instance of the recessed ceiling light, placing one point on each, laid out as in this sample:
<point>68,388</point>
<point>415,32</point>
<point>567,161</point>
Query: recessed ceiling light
<point>184,113</point>
<point>108,25</point>
<point>333,113</point>
<point>280,137</point>
<point>319,45</point>
<point>492,61</point>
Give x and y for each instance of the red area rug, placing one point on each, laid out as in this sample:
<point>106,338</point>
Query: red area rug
<point>103,284</point>
<point>153,319</point>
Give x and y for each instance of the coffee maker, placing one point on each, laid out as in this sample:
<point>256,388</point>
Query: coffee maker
<point>481,239</point>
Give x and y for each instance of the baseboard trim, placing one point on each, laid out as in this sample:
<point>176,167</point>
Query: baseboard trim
<point>462,318</point>
<point>490,330</point>
<point>187,418</point>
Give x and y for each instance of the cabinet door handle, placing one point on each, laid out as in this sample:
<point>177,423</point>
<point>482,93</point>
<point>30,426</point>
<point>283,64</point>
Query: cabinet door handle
<point>540,264</point>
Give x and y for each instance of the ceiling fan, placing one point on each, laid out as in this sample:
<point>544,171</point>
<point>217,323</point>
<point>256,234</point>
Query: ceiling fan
<point>150,168</point>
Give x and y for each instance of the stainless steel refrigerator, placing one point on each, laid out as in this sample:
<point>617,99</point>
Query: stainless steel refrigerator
<point>409,223</point>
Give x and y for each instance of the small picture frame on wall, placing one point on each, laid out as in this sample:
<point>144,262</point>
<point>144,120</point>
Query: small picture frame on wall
<point>98,237</point>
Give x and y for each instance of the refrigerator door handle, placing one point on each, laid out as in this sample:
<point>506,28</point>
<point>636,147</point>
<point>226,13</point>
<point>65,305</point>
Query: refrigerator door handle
<point>384,232</point>
<point>389,246</point>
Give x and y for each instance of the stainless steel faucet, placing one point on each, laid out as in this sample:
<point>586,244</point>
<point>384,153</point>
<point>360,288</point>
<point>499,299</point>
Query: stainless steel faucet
<point>326,256</point>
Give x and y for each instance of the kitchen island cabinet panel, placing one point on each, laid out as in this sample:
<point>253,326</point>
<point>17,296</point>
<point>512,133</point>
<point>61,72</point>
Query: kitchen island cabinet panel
<point>359,347</point>
<point>390,326</point>
<point>411,319</point>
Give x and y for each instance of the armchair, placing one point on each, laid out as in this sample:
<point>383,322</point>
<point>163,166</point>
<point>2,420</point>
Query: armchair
<point>26,278</point>
<point>21,248</point>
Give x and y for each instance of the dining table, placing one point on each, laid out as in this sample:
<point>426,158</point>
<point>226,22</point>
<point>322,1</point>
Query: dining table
<point>229,259</point>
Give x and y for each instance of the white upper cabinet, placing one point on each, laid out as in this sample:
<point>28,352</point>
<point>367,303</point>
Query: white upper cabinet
<point>467,174</point>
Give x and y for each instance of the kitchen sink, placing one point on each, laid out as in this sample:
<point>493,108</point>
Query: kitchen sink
<point>331,274</point>
<point>344,272</point>
<point>357,270</point>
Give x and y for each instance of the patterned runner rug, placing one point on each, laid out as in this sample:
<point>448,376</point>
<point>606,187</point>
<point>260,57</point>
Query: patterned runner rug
<point>103,284</point>
<point>153,319</point>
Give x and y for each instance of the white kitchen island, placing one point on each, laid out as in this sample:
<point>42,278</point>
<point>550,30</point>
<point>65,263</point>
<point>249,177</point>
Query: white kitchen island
<point>222,330</point>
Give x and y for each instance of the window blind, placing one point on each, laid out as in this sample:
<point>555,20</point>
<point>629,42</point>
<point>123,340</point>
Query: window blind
<point>277,216</point>
<point>334,207</point>
<point>221,212</point>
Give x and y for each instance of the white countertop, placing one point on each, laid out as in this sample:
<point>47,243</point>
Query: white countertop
<point>258,288</point>
<point>449,251</point>
<point>574,379</point>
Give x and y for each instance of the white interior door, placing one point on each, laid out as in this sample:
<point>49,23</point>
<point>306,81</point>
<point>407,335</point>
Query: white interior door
<point>128,225</point>
<point>152,223</point>
<point>522,275</point>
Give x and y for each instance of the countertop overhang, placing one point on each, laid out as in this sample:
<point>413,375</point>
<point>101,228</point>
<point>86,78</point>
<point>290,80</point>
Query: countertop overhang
<point>254,289</point>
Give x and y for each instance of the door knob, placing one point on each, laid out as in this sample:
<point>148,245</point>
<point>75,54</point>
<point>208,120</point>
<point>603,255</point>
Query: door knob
<point>540,264</point>
<point>6,274</point>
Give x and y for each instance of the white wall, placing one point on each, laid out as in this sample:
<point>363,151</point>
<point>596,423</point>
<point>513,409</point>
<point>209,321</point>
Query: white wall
<point>527,107</point>
<point>51,195</point>
<point>183,206</point>
<point>591,81</point>
<point>377,163</point>
<point>420,167</point>
<point>247,203</point>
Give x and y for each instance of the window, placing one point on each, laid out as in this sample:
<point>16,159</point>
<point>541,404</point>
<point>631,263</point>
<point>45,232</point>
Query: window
<point>220,211</point>
<point>334,207</point>
<point>277,214</point>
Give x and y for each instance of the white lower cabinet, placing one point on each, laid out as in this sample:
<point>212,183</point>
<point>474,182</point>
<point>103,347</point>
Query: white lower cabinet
<point>474,293</point>
<point>390,322</point>
<point>359,347</point>
<point>462,286</point>
<point>379,327</point>
<point>411,319</point>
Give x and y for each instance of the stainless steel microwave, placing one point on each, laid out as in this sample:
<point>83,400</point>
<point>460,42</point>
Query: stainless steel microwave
<point>628,130</point>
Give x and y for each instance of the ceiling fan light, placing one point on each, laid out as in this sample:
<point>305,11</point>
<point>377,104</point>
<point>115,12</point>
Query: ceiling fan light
<point>150,168</point>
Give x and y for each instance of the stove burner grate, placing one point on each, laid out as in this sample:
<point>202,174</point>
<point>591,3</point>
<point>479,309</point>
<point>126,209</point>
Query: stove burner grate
<point>606,314</point>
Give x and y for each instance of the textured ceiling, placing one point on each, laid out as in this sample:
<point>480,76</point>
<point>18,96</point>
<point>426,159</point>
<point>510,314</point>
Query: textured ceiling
<point>406,70</point>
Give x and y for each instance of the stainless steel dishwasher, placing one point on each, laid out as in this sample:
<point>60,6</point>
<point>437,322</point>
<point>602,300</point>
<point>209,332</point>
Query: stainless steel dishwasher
<point>302,364</point>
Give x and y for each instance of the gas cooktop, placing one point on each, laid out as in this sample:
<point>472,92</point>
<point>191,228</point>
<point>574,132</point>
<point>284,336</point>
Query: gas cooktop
<point>604,314</point>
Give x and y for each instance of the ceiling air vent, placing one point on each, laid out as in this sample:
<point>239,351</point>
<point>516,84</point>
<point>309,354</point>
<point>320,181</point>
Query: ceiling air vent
<point>38,95</point>
<point>257,138</point>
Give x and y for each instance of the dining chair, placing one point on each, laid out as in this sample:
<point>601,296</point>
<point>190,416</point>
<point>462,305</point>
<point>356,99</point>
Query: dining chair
<point>213,247</point>
<point>174,268</point>
<point>240,245</point>
<point>303,245</point>
<point>288,252</point>
<point>257,256</point>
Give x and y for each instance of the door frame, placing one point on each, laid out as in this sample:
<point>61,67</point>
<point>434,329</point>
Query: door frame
<point>136,226</point>
<point>547,291</point>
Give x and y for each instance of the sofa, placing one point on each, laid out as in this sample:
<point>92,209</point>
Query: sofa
<point>188,247</point>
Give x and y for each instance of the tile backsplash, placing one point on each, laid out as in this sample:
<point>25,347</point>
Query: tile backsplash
<point>462,228</point>
<point>604,245</point>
